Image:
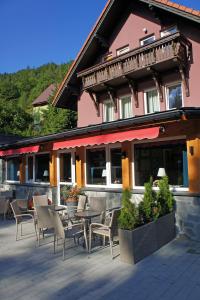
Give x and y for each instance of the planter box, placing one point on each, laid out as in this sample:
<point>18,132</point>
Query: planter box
<point>141,242</point>
<point>165,229</point>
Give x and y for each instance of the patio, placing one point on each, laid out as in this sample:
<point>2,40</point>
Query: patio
<point>29,272</point>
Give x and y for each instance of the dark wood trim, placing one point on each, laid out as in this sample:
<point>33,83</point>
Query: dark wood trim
<point>94,98</point>
<point>157,80</point>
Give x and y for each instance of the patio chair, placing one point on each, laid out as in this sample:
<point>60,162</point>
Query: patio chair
<point>61,232</point>
<point>4,204</point>
<point>21,218</point>
<point>71,210</point>
<point>106,230</point>
<point>44,221</point>
<point>40,200</point>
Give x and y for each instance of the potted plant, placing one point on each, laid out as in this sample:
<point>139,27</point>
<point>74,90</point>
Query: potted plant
<point>143,229</point>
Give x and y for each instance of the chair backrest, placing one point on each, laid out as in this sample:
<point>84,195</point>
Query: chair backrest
<point>16,210</point>
<point>41,200</point>
<point>81,202</point>
<point>22,204</point>
<point>97,203</point>
<point>114,221</point>
<point>57,223</point>
<point>44,219</point>
<point>3,205</point>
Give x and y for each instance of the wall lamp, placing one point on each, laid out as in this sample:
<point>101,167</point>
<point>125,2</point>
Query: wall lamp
<point>124,155</point>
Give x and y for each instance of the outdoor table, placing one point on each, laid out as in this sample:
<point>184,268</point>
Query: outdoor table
<point>86,216</point>
<point>57,207</point>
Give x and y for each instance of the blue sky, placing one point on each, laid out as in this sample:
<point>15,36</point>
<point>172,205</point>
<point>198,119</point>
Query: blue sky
<point>35,32</point>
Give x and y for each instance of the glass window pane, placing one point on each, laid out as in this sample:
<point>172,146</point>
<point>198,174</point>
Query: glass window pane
<point>169,31</point>
<point>96,166</point>
<point>116,166</point>
<point>171,157</point>
<point>65,167</point>
<point>152,102</point>
<point>148,40</point>
<point>126,108</point>
<point>13,165</point>
<point>175,96</point>
<point>42,168</point>
<point>30,168</point>
<point>108,112</point>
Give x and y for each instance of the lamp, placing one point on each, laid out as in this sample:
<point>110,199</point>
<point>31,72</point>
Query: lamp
<point>161,172</point>
<point>46,173</point>
<point>18,173</point>
<point>123,155</point>
<point>104,173</point>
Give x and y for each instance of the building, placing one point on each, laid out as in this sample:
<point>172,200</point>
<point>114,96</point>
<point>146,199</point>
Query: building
<point>135,86</point>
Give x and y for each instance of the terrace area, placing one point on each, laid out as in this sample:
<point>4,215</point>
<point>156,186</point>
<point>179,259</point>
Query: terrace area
<point>30,272</point>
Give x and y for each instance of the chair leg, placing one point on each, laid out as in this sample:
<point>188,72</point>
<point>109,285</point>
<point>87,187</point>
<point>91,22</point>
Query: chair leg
<point>111,244</point>
<point>104,240</point>
<point>54,244</point>
<point>64,249</point>
<point>21,229</point>
<point>90,240</point>
<point>16,231</point>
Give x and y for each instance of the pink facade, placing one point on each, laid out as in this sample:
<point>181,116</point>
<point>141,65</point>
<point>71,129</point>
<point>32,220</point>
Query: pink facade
<point>130,32</point>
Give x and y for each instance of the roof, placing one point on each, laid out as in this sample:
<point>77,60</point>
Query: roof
<point>43,98</point>
<point>9,138</point>
<point>144,120</point>
<point>183,11</point>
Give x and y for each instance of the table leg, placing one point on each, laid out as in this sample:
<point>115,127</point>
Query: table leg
<point>85,234</point>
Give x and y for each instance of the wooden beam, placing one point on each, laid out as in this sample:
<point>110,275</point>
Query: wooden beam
<point>22,170</point>
<point>80,172</point>
<point>127,165</point>
<point>111,93</point>
<point>53,168</point>
<point>193,155</point>
<point>134,90</point>
<point>184,78</point>
<point>157,81</point>
<point>94,98</point>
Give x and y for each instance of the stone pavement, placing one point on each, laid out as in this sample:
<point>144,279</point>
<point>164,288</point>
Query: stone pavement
<point>30,272</point>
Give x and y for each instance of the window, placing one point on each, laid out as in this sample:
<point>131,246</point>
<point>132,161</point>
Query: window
<point>96,166</point>
<point>151,102</point>
<point>13,165</point>
<point>168,31</point>
<point>122,50</point>
<point>171,156</point>
<point>174,96</point>
<point>147,40</point>
<point>125,107</point>
<point>65,167</point>
<point>108,114</point>
<point>116,165</point>
<point>42,168</point>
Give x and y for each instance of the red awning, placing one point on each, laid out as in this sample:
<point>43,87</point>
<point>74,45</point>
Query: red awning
<point>109,138</point>
<point>30,149</point>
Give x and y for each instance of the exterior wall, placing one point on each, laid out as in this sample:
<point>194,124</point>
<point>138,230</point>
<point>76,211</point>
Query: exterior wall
<point>129,32</point>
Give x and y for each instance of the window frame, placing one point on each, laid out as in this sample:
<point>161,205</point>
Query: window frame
<point>120,106</point>
<point>34,165</point>
<point>73,166</point>
<point>105,102</point>
<point>124,50</point>
<point>167,29</point>
<point>146,38</point>
<point>172,188</point>
<point>6,169</point>
<point>167,86</point>
<point>145,99</point>
<point>108,166</point>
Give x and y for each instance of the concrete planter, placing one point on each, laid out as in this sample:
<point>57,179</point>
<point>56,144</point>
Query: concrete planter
<point>165,229</point>
<point>141,242</point>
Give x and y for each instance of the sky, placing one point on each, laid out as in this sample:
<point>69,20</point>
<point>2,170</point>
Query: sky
<point>35,32</point>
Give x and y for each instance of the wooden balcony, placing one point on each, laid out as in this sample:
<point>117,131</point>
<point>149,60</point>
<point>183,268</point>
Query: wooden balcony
<point>161,55</point>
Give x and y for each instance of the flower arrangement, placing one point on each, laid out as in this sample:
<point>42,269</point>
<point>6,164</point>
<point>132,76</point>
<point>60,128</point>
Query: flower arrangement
<point>71,193</point>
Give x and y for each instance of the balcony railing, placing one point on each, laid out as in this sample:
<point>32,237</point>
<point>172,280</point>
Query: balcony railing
<point>134,63</point>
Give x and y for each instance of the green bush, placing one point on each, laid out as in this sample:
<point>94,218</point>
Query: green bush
<point>129,216</point>
<point>148,207</point>
<point>165,198</point>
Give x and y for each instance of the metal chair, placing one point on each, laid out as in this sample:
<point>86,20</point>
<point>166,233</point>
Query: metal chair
<point>104,230</point>
<point>21,218</point>
<point>4,204</point>
<point>44,221</point>
<point>40,200</point>
<point>61,232</point>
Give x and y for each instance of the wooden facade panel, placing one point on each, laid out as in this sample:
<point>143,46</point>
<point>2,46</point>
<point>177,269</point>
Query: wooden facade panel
<point>22,169</point>
<point>127,165</point>
<point>80,172</point>
<point>193,152</point>
<point>53,168</point>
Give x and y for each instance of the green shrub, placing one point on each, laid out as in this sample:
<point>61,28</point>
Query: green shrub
<point>129,216</point>
<point>148,207</point>
<point>165,198</point>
